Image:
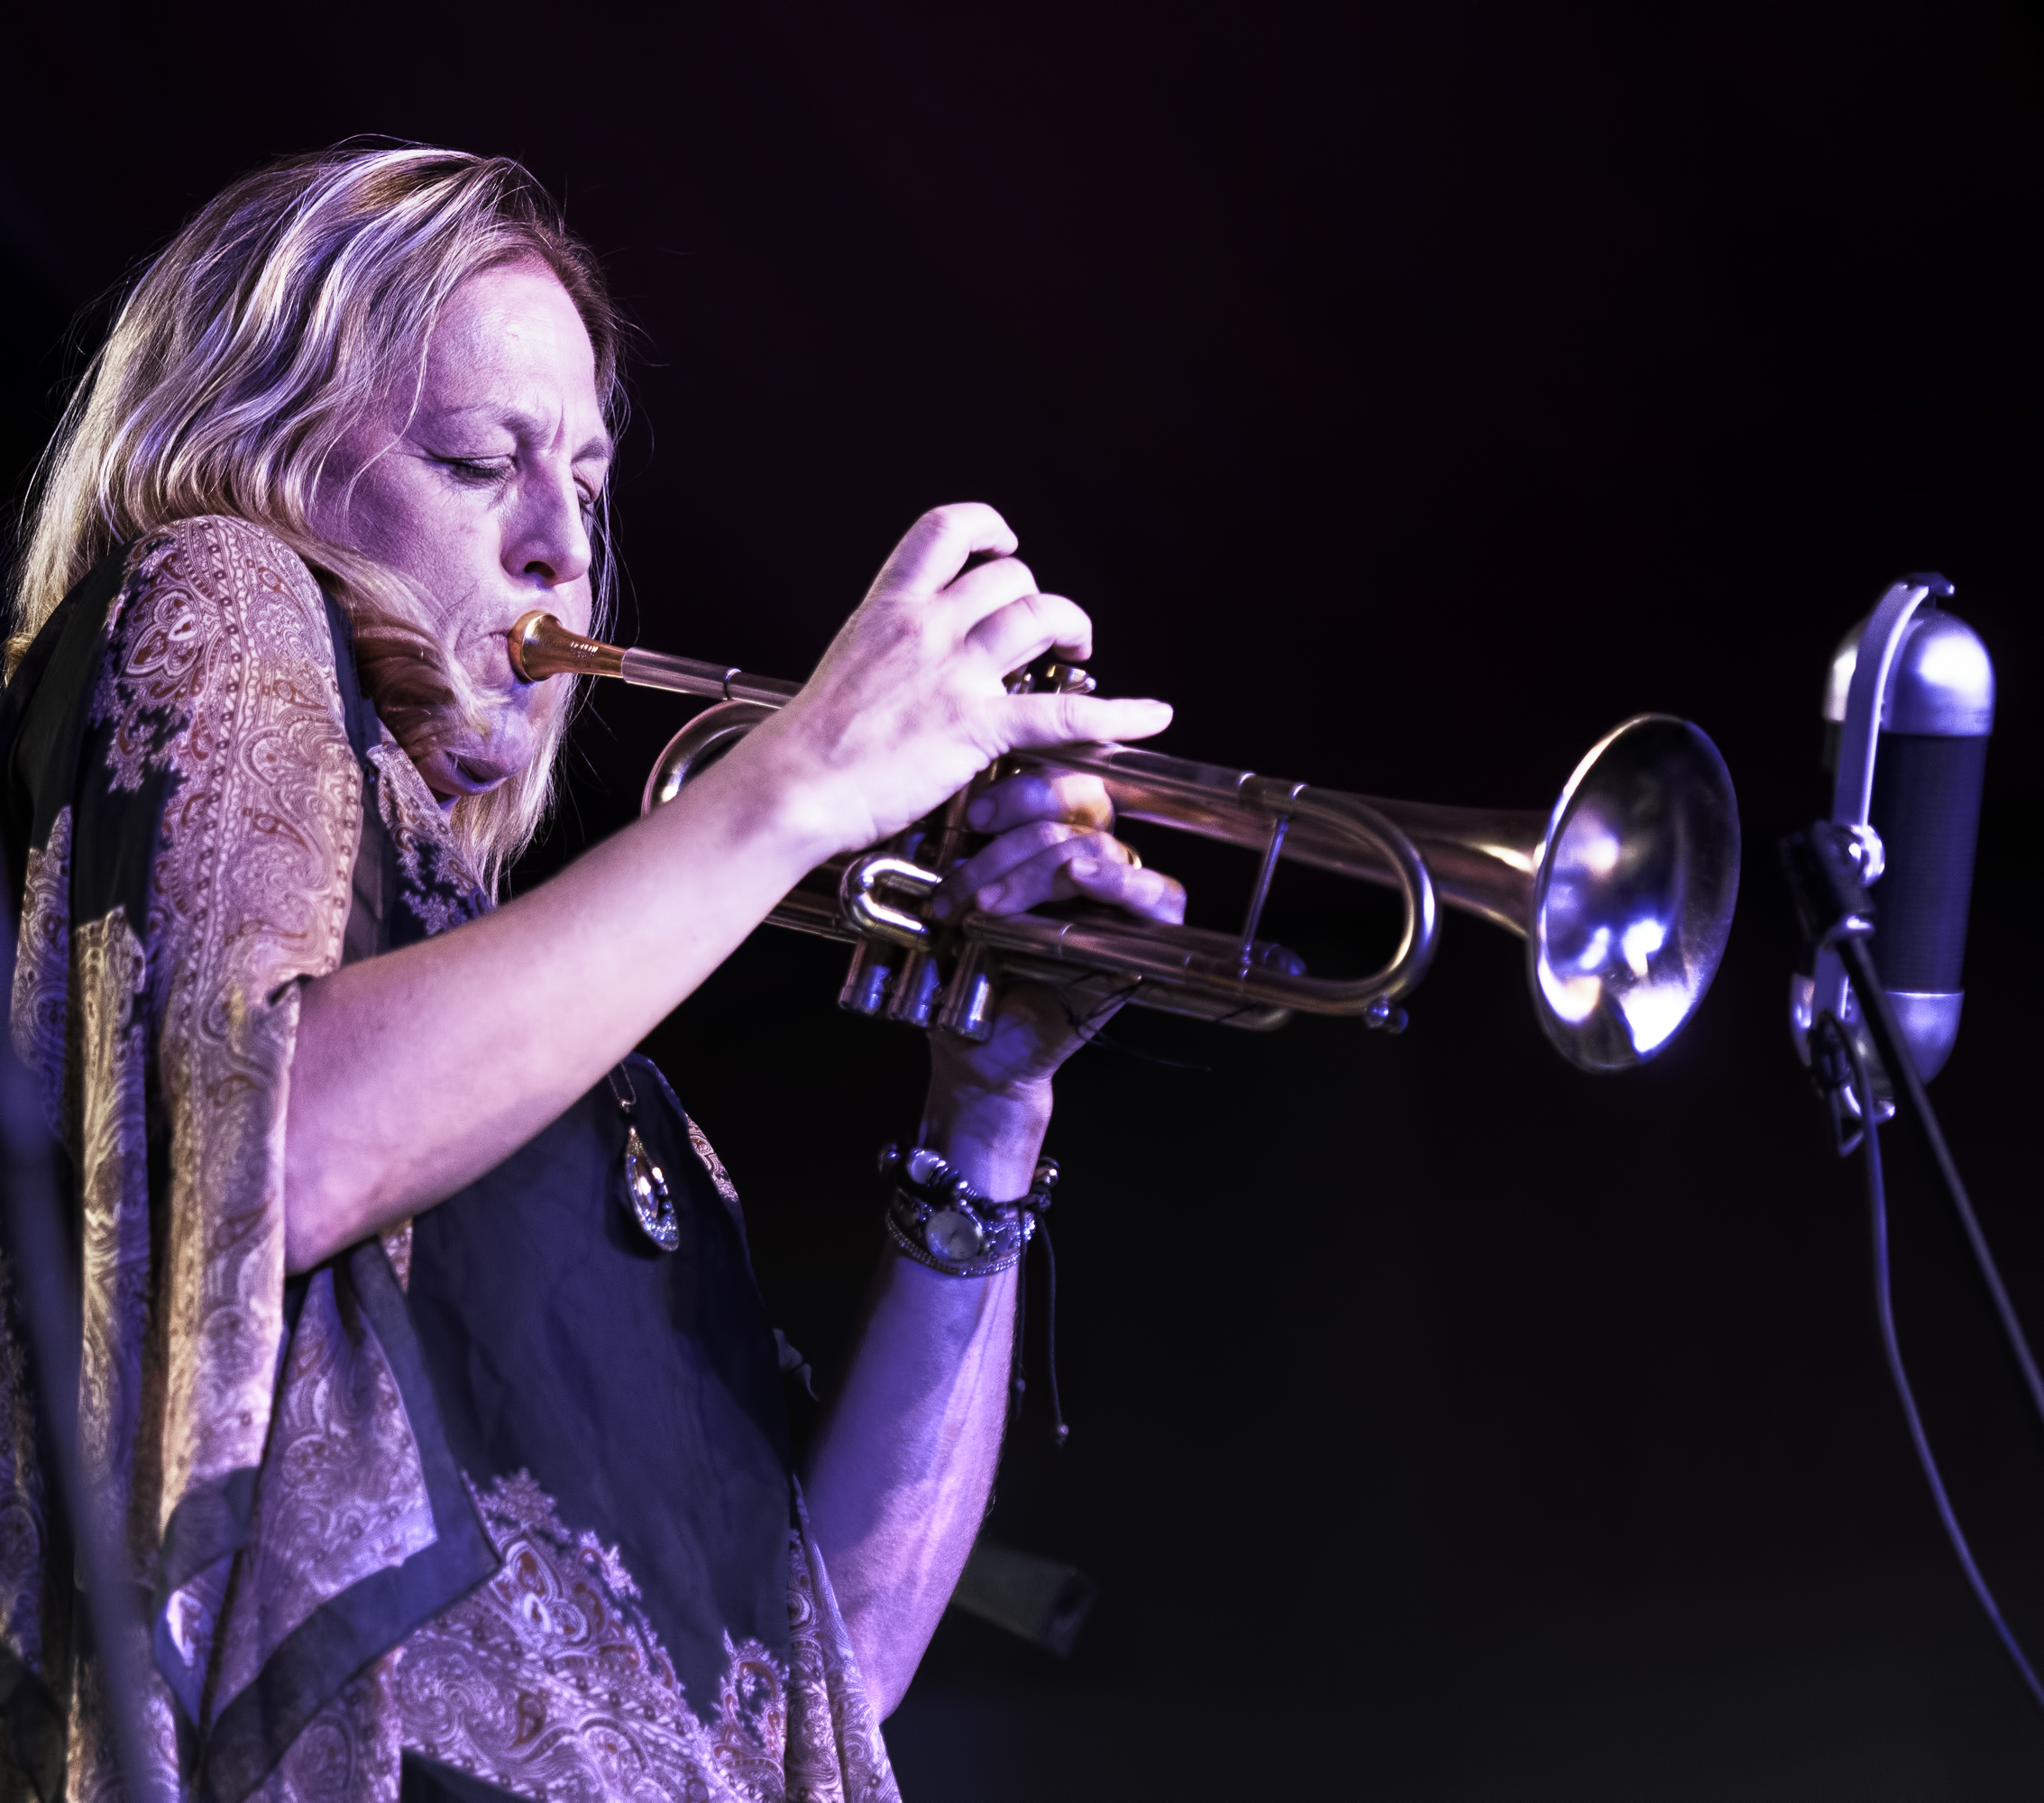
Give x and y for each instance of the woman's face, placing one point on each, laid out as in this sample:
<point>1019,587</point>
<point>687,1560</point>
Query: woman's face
<point>482,495</point>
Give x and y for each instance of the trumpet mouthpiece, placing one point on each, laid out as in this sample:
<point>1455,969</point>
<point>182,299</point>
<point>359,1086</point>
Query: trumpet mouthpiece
<point>541,646</point>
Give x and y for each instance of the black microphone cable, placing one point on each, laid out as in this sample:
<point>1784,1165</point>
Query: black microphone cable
<point>1832,907</point>
<point>1858,959</point>
<point>1884,1304</point>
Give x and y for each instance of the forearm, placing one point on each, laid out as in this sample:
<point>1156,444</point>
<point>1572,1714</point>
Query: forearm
<point>416,1072</point>
<point>899,1478</point>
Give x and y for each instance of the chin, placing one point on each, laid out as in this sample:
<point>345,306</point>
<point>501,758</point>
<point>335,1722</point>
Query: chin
<point>454,775</point>
<point>474,767</point>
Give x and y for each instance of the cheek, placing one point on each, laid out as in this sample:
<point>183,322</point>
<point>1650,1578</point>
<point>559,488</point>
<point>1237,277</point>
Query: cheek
<point>404,518</point>
<point>378,512</point>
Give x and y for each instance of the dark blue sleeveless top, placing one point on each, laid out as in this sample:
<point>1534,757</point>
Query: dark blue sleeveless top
<point>640,1388</point>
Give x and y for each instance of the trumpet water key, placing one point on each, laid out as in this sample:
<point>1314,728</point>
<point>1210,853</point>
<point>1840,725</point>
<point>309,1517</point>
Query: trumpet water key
<point>1623,890</point>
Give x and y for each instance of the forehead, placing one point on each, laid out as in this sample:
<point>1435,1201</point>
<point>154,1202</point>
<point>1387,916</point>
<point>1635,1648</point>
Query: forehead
<point>511,335</point>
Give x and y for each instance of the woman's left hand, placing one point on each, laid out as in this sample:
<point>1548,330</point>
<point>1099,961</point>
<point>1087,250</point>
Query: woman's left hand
<point>1053,842</point>
<point>900,1474</point>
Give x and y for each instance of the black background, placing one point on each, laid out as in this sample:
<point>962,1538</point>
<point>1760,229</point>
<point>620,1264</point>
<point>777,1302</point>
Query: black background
<point>1409,393</point>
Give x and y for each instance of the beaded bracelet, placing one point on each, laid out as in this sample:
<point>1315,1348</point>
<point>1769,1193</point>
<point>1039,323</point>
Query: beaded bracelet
<point>938,1218</point>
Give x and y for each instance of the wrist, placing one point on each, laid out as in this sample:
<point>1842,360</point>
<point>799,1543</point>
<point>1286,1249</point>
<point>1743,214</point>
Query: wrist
<point>809,801</point>
<point>992,1136</point>
<point>772,805</point>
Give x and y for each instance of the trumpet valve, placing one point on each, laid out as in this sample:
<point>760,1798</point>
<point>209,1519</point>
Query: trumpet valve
<point>865,981</point>
<point>968,997</point>
<point>916,991</point>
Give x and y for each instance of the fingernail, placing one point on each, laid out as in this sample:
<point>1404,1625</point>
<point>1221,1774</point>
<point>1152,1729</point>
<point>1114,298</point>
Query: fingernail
<point>942,907</point>
<point>980,813</point>
<point>1085,866</point>
<point>988,897</point>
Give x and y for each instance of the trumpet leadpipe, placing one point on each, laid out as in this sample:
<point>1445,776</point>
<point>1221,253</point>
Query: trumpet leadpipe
<point>541,646</point>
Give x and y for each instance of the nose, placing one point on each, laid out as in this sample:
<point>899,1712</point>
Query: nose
<point>549,540</point>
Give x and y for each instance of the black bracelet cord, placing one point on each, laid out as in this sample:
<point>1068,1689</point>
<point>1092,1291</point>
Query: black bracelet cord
<point>1017,1381</point>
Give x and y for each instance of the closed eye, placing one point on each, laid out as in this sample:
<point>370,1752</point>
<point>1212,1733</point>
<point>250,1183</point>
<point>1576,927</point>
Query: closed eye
<point>477,471</point>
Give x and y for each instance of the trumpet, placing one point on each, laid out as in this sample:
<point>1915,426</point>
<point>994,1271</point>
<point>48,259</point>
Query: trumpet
<point>1623,891</point>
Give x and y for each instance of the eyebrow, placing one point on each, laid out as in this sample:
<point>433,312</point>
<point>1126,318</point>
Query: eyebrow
<point>600,445</point>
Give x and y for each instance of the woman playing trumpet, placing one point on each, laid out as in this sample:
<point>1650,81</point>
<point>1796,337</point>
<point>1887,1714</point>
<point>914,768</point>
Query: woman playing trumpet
<point>448,1455</point>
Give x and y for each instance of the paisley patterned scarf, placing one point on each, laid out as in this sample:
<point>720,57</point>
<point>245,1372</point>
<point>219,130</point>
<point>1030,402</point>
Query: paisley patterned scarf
<point>182,777</point>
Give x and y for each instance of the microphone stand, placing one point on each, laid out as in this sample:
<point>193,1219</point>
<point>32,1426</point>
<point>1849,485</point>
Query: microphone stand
<point>1832,906</point>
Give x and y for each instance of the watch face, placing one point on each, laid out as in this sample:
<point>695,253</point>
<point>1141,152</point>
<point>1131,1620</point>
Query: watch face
<point>953,1234</point>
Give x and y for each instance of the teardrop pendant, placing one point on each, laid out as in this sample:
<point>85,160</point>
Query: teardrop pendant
<point>646,1184</point>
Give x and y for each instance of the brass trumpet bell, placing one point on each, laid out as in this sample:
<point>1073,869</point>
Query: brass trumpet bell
<point>1623,891</point>
<point>1634,885</point>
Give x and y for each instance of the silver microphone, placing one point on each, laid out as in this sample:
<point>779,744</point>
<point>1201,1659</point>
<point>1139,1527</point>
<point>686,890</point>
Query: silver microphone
<point>1908,708</point>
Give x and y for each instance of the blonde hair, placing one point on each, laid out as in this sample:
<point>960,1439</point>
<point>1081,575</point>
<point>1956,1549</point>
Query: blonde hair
<point>276,321</point>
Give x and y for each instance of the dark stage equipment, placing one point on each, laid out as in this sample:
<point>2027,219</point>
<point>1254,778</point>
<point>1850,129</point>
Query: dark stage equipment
<point>1908,706</point>
<point>1623,891</point>
<point>1043,1601</point>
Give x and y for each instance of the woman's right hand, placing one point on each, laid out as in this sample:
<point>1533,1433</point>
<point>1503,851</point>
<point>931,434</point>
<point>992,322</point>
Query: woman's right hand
<point>909,704</point>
